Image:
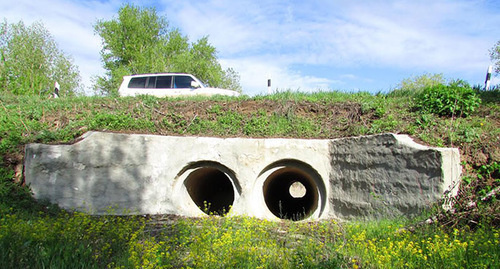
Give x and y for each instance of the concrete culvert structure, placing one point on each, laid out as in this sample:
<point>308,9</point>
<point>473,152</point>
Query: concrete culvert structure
<point>211,190</point>
<point>297,179</point>
<point>291,193</point>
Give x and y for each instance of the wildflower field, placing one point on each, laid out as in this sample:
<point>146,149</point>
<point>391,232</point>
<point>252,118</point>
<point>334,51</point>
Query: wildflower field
<point>78,240</point>
<point>35,234</point>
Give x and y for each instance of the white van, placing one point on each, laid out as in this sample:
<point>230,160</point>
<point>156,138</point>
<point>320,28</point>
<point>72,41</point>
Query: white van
<point>168,84</point>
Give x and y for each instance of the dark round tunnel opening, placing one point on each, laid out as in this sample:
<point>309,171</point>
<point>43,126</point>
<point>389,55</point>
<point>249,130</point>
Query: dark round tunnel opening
<point>211,190</point>
<point>290,193</point>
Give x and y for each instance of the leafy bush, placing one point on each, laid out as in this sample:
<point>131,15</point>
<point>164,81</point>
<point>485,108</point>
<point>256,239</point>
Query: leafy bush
<point>456,98</point>
<point>414,85</point>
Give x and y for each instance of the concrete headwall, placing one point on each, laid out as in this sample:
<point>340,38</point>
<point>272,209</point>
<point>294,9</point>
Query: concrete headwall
<point>369,176</point>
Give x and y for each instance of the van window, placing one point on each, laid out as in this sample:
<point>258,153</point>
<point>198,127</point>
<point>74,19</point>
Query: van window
<point>164,82</point>
<point>183,81</point>
<point>151,82</point>
<point>137,82</point>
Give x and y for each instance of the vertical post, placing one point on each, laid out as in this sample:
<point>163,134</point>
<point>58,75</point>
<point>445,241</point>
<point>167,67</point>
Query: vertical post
<point>56,90</point>
<point>488,78</point>
<point>268,86</point>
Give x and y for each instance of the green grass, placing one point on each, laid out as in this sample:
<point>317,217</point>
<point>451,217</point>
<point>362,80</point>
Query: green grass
<point>82,241</point>
<point>34,234</point>
<point>390,245</point>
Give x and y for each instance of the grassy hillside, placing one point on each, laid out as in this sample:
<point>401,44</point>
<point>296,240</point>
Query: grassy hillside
<point>39,235</point>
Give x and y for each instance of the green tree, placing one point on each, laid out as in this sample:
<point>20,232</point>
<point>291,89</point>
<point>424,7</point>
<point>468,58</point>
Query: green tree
<point>30,62</point>
<point>495,56</point>
<point>140,41</point>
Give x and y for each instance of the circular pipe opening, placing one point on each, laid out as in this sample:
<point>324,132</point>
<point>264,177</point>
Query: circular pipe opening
<point>291,193</point>
<point>211,190</point>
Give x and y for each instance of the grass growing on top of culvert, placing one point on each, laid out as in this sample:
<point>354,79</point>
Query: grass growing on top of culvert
<point>39,235</point>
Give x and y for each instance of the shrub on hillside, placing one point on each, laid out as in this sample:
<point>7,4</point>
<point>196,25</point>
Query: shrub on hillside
<point>455,99</point>
<point>414,85</point>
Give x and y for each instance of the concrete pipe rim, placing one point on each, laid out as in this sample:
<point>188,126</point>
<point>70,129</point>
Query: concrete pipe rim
<point>211,186</point>
<point>293,190</point>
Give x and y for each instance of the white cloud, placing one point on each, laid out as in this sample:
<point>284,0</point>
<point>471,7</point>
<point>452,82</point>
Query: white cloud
<point>438,36</point>
<point>258,38</point>
<point>232,26</point>
<point>254,74</point>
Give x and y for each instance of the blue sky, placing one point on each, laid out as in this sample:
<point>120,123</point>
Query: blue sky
<point>301,45</point>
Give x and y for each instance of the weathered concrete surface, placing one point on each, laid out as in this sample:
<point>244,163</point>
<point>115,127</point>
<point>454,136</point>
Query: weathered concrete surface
<point>107,173</point>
